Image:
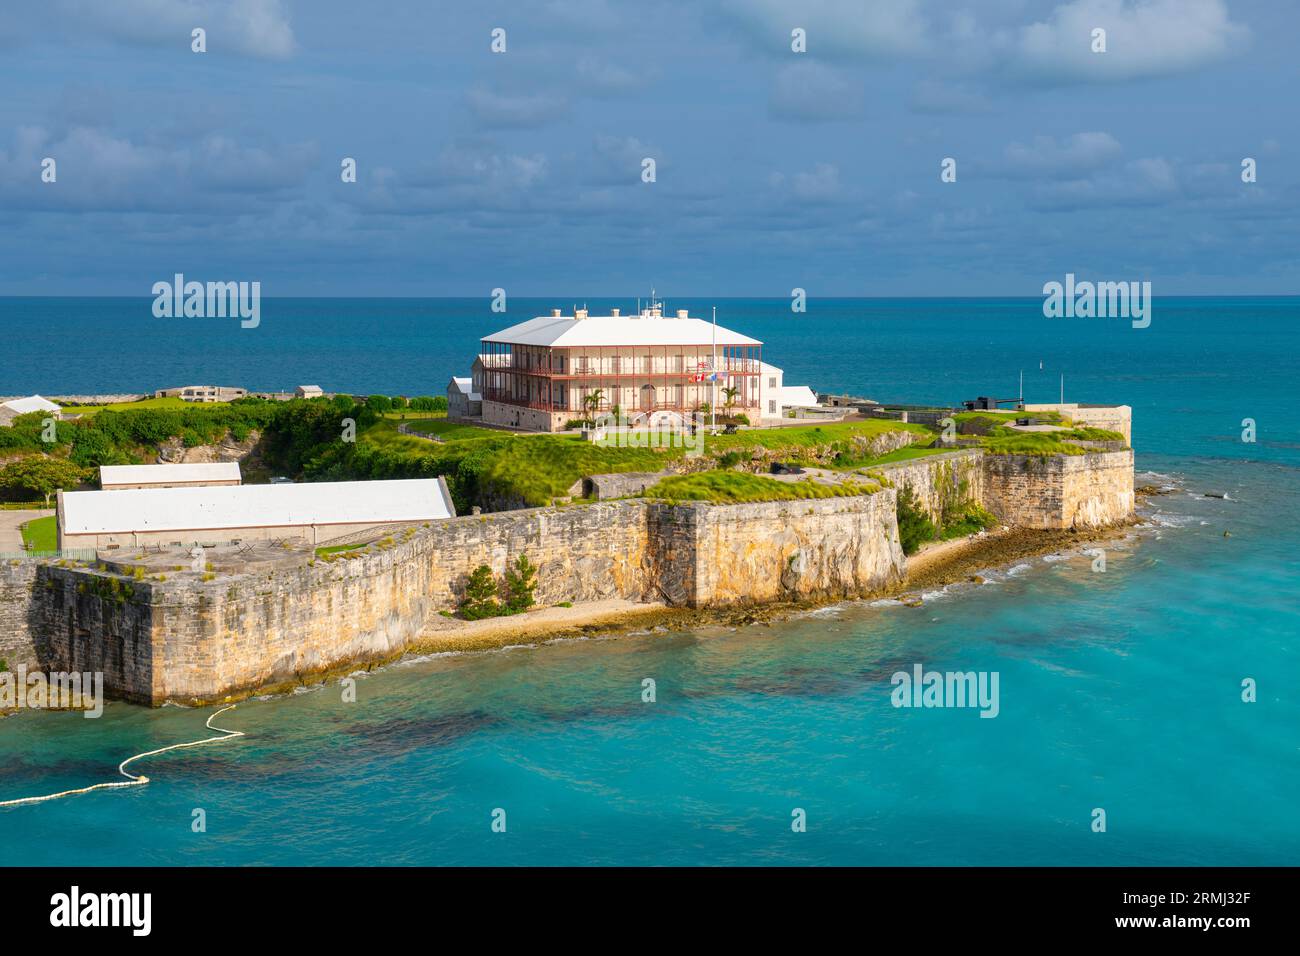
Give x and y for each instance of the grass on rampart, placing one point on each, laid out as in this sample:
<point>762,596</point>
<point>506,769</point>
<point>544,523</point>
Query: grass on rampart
<point>534,469</point>
<point>732,487</point>
<point>449,431</point>
<point>148,403</point>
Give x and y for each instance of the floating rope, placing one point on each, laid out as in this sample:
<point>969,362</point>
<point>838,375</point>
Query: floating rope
<point>134,780</point>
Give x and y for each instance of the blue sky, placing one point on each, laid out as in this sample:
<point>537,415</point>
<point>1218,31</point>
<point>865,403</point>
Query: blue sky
<point>775,169</point>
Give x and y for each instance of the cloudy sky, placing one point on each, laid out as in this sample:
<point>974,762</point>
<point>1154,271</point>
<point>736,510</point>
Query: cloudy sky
<point>774,169</point>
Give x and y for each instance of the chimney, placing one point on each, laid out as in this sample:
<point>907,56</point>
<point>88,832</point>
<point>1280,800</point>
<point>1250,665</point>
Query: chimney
<point>614,313</point>
<point>555,313</point>
<point>681,313</point>
<point>579,313</point>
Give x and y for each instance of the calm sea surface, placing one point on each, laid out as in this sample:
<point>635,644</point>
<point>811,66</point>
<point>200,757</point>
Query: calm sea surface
<point>1119,691</point>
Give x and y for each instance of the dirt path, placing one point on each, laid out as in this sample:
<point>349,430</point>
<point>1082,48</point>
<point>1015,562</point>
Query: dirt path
<point>11,538</point>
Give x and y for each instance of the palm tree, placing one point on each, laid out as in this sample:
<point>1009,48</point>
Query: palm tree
<point>730,392</point>
<point>593,400</point>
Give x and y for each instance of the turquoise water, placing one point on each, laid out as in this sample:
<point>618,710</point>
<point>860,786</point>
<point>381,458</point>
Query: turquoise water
<point>1118,690</point>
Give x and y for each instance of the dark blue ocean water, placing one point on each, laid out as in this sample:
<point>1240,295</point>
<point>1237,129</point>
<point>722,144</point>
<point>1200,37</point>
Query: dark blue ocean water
<point>1118,691</point>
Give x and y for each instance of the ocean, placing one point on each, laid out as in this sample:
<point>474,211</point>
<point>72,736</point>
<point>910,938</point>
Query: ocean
<point>1119,691</point>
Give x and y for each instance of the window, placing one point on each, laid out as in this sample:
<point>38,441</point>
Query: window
<point>771,382</point>
<point>771,406</point>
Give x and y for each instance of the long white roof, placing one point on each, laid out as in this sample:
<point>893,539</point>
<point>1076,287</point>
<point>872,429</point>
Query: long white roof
<point>33,403</point>
<point>560,331</point>
<point>162,474</point>
<point>254,506</point>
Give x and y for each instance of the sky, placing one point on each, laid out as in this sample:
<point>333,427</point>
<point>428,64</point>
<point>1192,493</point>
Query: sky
<point>773,169</point>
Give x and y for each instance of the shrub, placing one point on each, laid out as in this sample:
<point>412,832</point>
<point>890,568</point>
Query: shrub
<point>520,585</point>
<point>480,595</point>
<point>914,525</point>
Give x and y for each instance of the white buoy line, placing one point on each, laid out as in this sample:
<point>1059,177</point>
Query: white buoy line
<point>132,779</point>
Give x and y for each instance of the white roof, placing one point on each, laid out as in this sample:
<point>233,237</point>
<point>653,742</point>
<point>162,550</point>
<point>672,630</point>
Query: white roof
<point>797,395</point>
<point>160,474</point>
<point>568,332</point>
<point>253,506</point>
<point>466,387</point>
<point>33,403</point>
<point>310,388</point>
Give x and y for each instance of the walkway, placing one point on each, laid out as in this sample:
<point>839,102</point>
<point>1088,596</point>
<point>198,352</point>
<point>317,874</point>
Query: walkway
<point>11,538</point>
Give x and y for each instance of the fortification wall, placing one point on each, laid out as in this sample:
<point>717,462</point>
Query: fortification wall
<point>783,550</point>
<point>185,638</point>
<point>1061,491</point>
<point>17,578</point>
<point>941,483</point>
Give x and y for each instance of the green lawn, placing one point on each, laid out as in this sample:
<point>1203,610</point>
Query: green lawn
<point>729,487</point>
<point>808,436</point>
<point>534,469</point>
<point>173,403</point>
<point>336,548</point>
<point>449,431</point>
<point>904,454</point>
<point>41,534</point>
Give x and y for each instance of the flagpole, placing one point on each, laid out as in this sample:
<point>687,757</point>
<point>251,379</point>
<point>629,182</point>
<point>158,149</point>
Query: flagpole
<point>713,405</point>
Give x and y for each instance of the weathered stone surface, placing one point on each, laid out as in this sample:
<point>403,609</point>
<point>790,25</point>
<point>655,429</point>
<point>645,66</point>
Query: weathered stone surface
<point>186,638</point>
<point>1060,491</point>
<point>941,483</point>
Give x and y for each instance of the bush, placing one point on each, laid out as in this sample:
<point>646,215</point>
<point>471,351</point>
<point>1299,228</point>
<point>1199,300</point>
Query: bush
<point>480,595</point>
<point>520,585</point>
<point>429,403</point>
<point>379,404</point>
<point>914,525</point>
<point>973,518</point>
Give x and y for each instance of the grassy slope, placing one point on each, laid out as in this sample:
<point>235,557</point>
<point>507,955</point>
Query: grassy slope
<point>449,431</point>
<point>739,486</point>
<point>156,403</point>
<point>538,468</point>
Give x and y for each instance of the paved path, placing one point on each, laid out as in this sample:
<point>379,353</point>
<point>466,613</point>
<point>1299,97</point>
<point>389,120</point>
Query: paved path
<point>11,538</point>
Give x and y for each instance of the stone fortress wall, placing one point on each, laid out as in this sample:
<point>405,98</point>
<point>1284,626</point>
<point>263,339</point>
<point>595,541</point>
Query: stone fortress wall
<point>187,639</point>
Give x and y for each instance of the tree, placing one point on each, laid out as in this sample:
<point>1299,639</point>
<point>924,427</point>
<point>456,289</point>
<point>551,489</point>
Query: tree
<point>914,525</point>
<point>520,585</point>
<point>730,393</point>
<point>39,475</point>
<point>379,404</point>
<point>592,401</point>
<point>480,595</point>
<point>399,401</point>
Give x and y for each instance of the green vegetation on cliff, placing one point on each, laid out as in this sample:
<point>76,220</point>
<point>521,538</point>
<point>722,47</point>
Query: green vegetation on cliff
<point>731,487</point>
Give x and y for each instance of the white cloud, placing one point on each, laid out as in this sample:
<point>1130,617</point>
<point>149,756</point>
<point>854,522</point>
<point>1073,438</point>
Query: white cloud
<point>1143,38</point>
<point>820,185</point>
<point>1080,153</point>
<point>258,28</point>
<point>836,27</point>
<point>811,92</point>
<point>521,112</point>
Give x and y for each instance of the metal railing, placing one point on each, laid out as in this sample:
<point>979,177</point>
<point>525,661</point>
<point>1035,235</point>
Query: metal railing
<point>67,554</point>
